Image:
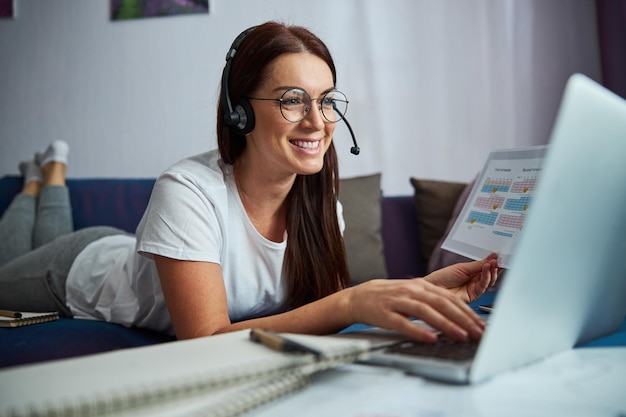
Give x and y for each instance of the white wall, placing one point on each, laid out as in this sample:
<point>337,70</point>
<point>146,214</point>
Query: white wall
<point>433,85</point>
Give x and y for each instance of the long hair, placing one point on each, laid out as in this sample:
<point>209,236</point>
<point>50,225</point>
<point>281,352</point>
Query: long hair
<point>315,262</point>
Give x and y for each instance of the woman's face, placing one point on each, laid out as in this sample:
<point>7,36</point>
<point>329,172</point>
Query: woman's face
<point>280,146</point>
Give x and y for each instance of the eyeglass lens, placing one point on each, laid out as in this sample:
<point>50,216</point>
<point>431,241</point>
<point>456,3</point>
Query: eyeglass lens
<point>295,104</point>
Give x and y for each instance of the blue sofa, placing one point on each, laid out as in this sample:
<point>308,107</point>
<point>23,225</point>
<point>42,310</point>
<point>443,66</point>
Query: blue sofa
<point>121,203</point>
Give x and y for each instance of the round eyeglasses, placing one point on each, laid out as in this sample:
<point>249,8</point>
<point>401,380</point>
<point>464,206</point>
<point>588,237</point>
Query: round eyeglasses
<point>295,105</point>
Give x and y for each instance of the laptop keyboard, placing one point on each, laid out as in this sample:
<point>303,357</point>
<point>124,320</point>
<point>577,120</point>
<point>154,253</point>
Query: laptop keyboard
<point>445,348</point>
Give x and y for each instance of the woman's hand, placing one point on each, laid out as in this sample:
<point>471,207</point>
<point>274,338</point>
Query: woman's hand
<point>390,303</point>
<point>467,280</point>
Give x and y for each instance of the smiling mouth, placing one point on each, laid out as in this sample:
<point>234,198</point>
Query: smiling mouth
<point>305,144</point>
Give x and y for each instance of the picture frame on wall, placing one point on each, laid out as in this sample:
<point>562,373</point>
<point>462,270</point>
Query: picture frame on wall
<point>139,9</point>
<point>7,9</point>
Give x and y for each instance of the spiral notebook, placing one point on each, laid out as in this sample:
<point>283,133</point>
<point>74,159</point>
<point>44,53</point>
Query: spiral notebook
<point>17,319</point>
<point>223,375</point>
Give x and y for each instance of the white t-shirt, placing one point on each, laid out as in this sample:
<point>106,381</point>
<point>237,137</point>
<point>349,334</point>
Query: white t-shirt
<point>194,214</point>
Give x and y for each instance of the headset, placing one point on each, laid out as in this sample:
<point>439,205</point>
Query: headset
<point>240,117</point>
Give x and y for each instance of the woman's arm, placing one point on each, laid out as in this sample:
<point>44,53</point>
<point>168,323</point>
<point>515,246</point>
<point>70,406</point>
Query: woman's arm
<point>195,296</point>
<point>196,300</point>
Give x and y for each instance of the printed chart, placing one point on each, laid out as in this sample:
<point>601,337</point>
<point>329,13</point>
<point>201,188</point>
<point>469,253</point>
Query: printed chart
<point>494,214</point>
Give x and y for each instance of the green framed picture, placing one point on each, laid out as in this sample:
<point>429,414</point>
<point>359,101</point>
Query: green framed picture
<point>139,9</point>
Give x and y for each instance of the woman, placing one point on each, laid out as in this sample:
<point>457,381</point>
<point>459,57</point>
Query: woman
<point>250,236</point>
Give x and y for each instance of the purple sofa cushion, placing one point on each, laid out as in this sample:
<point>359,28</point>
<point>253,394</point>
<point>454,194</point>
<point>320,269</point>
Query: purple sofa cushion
<point>401,238</point>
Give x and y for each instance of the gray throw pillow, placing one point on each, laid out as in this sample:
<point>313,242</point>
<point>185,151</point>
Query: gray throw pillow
<point>361,198</point>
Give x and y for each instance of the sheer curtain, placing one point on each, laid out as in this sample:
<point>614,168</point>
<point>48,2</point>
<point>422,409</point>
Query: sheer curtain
<point>435,85</point>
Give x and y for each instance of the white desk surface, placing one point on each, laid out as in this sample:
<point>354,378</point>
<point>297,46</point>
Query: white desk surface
<point>579,382</point>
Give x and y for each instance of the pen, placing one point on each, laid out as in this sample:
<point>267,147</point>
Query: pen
<point>9,313</point>
<point>280,343</point>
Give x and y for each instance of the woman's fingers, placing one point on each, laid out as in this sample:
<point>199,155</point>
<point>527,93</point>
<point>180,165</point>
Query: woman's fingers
<point>486,278</point>
<point>494,276</point>
<point>495,269</point>
<point>453,317</point>
<point>403,325</point>
<point>436,307</point>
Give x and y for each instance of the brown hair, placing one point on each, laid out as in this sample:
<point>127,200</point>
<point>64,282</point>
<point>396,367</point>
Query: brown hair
<point>315,263</point>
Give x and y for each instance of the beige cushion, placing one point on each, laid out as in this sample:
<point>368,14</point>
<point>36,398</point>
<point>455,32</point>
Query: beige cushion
<point>360,197</point>
<point>434,204</point>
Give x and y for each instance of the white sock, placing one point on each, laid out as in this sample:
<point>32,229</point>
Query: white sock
<point>30,171</point>
<point>56,152</point>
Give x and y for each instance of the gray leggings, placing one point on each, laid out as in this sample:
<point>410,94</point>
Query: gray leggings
<point>37,249</point>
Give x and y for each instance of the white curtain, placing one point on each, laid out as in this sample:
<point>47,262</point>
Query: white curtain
<point>434,85</point>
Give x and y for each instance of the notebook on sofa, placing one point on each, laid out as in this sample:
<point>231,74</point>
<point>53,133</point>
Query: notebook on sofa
<point>10,318</point>
<point>566,284</point>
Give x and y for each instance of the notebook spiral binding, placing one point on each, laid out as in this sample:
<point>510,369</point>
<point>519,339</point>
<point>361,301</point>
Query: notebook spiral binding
<point>255,396</point>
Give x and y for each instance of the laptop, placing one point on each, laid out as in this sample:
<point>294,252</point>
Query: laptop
<point>567,281</point>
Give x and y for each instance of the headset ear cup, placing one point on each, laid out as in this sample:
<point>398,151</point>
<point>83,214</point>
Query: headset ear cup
<point>246,117</point>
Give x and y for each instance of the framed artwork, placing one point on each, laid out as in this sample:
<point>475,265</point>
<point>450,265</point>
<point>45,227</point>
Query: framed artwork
<point>139,9</point>
<point>7,9</point>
